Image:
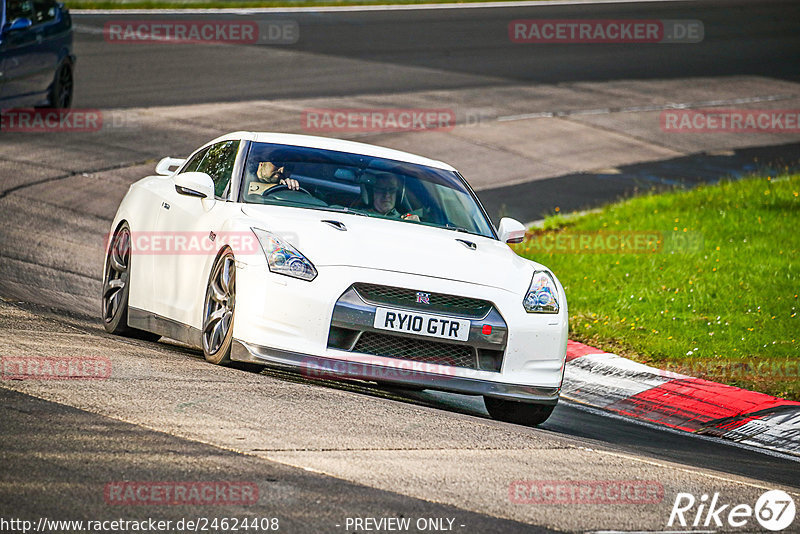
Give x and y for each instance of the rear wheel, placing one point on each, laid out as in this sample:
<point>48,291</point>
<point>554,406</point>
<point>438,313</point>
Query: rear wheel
<point>218,310</point>
<point>521,413</point>
<point>116,287</point>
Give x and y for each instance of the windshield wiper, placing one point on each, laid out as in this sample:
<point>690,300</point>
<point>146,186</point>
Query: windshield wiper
<point>345,210</point>
<point>458,229</point>
<point>455,228</point>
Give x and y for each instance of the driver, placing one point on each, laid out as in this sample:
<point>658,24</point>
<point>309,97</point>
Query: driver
<point>384,197</point>
<point>271,175</point>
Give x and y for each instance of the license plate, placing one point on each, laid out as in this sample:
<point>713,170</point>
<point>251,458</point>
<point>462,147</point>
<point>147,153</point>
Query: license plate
<point>421,324</point>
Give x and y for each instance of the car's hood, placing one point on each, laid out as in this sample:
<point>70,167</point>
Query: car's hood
<point>382,244</point>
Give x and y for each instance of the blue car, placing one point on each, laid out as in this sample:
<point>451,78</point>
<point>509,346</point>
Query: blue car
<point>36,59</point>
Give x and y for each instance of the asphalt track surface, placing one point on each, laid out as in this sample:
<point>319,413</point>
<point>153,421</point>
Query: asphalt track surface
<point>61,443</point>
<point>461,47</point>
<point>387,55</point>
<point>117,451</point>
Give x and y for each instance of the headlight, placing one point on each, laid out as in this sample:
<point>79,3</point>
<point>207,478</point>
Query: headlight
<point>542,295</point>
<point>283,258</point>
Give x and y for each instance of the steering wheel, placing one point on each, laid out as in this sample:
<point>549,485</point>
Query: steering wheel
<point>282,187</point>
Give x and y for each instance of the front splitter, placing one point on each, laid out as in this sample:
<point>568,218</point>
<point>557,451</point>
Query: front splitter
<point>327,368</point>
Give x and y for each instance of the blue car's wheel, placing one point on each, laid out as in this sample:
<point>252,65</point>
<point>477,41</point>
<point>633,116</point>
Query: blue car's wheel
<point>60,95</point>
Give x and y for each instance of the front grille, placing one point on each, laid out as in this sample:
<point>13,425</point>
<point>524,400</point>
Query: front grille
<point>419,350</point>
<point>439,302</point>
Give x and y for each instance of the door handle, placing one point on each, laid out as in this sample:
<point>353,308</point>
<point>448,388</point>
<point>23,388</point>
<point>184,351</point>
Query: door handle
<point>165,205</point>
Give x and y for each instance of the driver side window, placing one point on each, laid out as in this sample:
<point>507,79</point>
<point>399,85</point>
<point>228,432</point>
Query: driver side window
<point>18,9</point>
<point>218,164</point>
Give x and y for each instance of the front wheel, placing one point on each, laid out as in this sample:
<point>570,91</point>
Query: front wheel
<point>521,413</point>
<point>218,309</point>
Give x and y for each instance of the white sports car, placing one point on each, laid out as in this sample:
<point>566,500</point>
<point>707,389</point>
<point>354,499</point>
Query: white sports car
<point>343,260</point>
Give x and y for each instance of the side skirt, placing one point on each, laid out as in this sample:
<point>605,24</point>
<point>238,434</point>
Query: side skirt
<point>150,322</point>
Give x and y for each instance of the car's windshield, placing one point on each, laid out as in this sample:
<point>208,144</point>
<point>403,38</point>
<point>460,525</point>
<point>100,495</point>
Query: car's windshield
<point>362,185</point>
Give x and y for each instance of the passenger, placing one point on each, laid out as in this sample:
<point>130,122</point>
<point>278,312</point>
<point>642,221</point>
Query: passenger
<point>384,197</point>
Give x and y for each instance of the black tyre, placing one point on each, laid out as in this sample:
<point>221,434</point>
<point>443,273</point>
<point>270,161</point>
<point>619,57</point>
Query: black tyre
<point>218,307</point>
<point>116,287</point>
<point>521,413</point>
<point>61,90</point>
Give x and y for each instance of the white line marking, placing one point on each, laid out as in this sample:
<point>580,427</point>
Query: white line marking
<point>80,28</point>
<point>652,107</point>
<point>652,532</point>
<point>348,9</point>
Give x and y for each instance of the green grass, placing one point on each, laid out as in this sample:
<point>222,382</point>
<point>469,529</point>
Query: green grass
<point>209,4</point>
<point>718,298</point>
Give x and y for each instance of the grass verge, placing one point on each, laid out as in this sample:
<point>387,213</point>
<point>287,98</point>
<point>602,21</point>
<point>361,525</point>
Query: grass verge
<point>703,282</point>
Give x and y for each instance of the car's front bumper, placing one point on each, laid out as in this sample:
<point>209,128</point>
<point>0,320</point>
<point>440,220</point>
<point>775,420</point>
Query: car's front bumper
<point>283,320</point>
<point>405,375</point>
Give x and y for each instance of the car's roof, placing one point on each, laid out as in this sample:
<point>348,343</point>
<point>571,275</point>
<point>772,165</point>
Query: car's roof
<point>338,145</point>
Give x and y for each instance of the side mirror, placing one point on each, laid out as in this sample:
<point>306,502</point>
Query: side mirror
<point>167,166</point>
<point>511,230</point>
<point>20,24</point>
<point>195,184</point>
